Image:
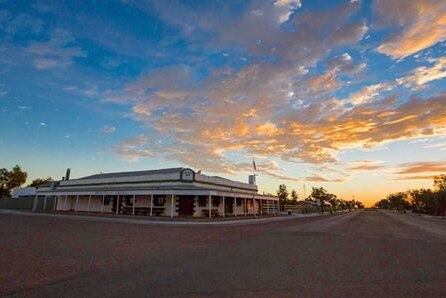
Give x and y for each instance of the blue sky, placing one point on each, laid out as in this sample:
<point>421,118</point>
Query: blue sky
<point>342,94</point>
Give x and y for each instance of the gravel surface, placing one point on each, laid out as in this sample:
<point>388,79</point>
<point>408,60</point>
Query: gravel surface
<point>362,253</point>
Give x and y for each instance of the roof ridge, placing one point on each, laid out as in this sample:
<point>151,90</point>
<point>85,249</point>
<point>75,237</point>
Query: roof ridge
<point>133,173</point>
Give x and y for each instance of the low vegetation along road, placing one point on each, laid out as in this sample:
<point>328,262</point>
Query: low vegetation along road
<point>362,253</point>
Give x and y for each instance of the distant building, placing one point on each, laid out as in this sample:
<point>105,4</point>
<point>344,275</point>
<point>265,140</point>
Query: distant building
<point>23,192</point>
<point>166,192</point>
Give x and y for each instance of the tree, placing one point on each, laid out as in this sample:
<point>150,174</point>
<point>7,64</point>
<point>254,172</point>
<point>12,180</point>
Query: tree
<point>342,204</point>
<point>351,205</point>
<point>383,204</point>
<point>320,195</point>
<point>11,179</point>
<point>418,199</point>
<point>282,193</point>
<point>398,201</point>
<point>359,205</point>
<point>440,183</point>
<point>333,200</point>
<point>40,181</point>
<point>294,197</point>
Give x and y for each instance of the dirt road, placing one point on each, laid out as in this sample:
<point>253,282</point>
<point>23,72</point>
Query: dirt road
<point>363,253</point>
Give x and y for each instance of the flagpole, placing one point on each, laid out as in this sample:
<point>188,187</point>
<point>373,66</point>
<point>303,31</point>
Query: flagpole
<point>254,169</point>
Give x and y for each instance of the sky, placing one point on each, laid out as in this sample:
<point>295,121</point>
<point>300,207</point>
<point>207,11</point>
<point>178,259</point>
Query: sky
<point>347,95</point>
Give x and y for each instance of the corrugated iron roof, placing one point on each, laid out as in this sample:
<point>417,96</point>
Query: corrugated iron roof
<point>134,173</point>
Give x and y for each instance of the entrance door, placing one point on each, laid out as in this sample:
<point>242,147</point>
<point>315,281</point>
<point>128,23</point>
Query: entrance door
<point>229,205</point>
<point>185,205</point>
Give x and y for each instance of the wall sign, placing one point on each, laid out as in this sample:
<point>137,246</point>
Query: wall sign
<point>187,175</point>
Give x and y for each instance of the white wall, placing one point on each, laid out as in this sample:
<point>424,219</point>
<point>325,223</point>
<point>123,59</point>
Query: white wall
<point>23,192</point>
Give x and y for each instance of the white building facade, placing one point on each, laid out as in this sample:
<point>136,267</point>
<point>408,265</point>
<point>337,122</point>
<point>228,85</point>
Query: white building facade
<point>166,192</point>
<point>23,192</point>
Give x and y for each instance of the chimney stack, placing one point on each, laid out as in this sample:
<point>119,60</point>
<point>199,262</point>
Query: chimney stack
<point>67,175</point>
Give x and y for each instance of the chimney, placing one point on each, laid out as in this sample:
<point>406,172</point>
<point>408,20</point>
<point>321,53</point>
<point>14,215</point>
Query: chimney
<point>67,175</point>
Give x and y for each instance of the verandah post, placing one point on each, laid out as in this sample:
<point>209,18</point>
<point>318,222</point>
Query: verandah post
<point>35,203</point>
<point>77,202</point>
<point>89,203</point>
<point>56,199</point>
<point>235,206</point>
<point>102,203</point>
<point>210,207</point>
<point>224,207</point>
<point>171,207</point>
<point>117,206</point>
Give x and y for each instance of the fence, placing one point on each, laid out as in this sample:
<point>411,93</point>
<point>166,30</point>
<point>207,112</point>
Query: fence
<point>307,208</point>
<point>27,203</point>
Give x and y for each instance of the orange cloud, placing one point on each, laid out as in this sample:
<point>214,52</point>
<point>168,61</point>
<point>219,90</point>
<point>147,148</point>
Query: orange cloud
<point>418,177</point>
<point>423,167</point>
<point>268,129</point>
<point>365,165</point>
<point>275,110</point>
<point>318,178</point>
<point>423,74</point>
<point>423,24</point>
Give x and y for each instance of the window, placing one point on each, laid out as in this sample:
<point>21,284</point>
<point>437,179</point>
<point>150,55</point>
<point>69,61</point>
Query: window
<point>159,201</point>
<point>202,201</point>
<point>239,201</point>
<point>215,202</point>
<point>129,200</point>
<point>106,201</point>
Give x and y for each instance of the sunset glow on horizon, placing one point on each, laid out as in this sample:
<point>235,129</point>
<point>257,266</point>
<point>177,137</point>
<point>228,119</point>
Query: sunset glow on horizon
<point>348,95</point>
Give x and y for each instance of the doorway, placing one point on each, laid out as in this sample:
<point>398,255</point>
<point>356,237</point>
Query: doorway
<point>186,205</point>
<point>229,206</point>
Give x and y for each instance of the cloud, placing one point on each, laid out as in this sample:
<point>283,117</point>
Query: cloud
<point>317,85</point>
<point>108,129</point>
<point>282,177</point>
<point>415,79</point>
<point>320,178</point>
<point>323,83</point>
<point>424,170</point>
<point>365,166</point>
<point>58,52</point>
<point>132,149</point>
<point>344,63</point>
<point>268,106</point>
<point>423,74</point>
<point>3,93</point>
<point>420,24</point>
<point>239,118</point>
<point>422,167</point>
<point>285,8</point>
<point>435,146</point>
<point>416,177</point>
<point>112,62</point>
<point>43,124</point>
<point>368,93</point>
<point>14,24</point>
<point>348,33</point>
